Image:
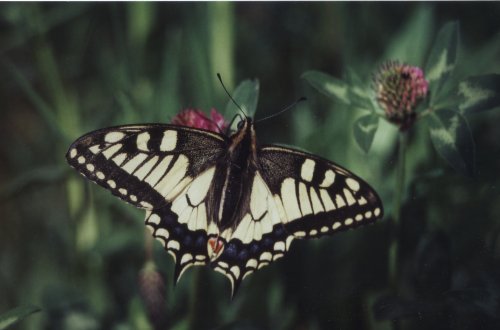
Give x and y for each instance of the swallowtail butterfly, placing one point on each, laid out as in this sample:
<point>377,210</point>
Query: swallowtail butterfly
<point>222,200</point>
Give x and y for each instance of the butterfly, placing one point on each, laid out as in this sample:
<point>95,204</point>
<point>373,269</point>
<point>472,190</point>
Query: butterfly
<point>221,199</point>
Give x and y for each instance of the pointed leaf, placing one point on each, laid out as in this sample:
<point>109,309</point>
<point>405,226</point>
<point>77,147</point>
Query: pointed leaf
<point>479,93</point>
<point>328,85</point>
<point>452,138</point>
<point>442,59</point>
<point>365,128</point>
<point>360,99</point>
<point>15,315</point>
<point>246,96</point>
<point>359,96</point>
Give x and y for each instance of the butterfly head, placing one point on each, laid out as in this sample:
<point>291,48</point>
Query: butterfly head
<point>244,124</point>
<point>244,138</point>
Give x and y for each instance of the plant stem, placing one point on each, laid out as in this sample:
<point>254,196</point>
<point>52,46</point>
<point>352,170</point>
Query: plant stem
<point>394,245</point>
<point>400,177</point>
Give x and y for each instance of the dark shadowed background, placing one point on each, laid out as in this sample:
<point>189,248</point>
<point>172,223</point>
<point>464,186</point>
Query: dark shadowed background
<point>75,251</point>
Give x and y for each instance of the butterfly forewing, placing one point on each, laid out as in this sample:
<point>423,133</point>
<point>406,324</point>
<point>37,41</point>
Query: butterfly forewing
<point>145,165</point>
<point>316,197</point>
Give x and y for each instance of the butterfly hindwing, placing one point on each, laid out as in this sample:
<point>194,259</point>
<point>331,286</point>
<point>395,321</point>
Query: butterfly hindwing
<point>258,239</point>
<point>145,165</point>
<point>181,226</point>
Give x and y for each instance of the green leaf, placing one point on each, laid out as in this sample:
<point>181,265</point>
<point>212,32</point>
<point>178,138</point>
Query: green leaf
<point>452,138</point>
<point>328,85</point>
<point>15,315</point>
<point>359,96</point>
<point>479,93</point>
<point>442,59</point>
<point>365,128</point>
<point>246,96</point>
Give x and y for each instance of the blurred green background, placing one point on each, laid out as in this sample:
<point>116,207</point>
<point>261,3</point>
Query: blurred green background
<point>71,248</point>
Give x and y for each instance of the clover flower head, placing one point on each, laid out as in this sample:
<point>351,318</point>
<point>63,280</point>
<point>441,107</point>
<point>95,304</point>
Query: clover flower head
<point>197,119</point>
<point>399,89</point>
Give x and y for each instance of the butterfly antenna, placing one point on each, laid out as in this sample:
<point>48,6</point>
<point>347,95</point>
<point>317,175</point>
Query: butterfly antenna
<point>225,89</point>
<point>280,112</point>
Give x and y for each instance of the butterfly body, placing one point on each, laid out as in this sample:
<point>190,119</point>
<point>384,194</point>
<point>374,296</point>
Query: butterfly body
<point>232,174</point>
<point>223,201</point>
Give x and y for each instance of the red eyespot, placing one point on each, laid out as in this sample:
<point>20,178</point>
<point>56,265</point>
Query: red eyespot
<point>215,246</point>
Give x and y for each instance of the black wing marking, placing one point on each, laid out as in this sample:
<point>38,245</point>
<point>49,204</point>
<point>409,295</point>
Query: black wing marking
<point>241,259</point>
<point>317,197</point>
<point>145,165</point>
<point>187,247</point>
